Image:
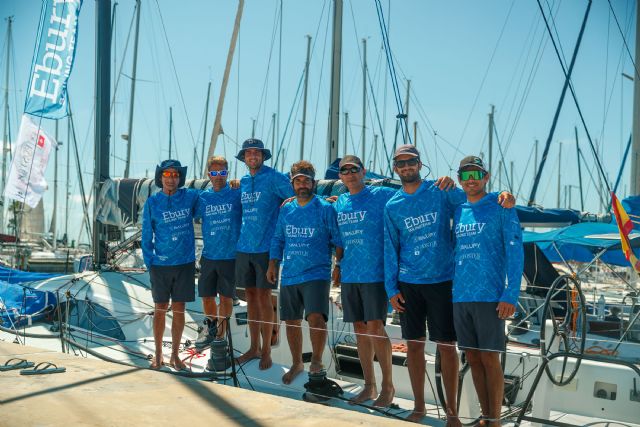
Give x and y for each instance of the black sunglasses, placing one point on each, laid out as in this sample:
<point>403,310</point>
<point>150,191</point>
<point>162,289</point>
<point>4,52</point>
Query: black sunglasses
<point>348,170</point>
<point>408,162</point>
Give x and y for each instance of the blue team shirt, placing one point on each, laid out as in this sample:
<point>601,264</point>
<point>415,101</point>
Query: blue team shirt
<point>418,243</point>
<point>489,258</point>
<point>167,228</point>
<point>303,238</point>
<point>261,196</point>
<point>360,221</point>
<point>221,214</point>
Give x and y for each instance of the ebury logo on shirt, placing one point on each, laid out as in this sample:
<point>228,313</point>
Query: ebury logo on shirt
<point>293,231</point>
<point>170,216</point>
<point>218,209</point>
<point>469,229</point>
<point>250,197</point>
<point>351,217</point>
<point>413,223</point>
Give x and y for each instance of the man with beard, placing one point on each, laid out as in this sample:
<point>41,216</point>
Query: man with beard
<point>262,192</point>
<point>364,302</point>
<point>305,232</point>
<point>418,257</point>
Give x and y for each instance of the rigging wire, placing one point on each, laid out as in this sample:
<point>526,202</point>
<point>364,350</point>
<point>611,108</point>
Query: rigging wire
<point>624,40</point>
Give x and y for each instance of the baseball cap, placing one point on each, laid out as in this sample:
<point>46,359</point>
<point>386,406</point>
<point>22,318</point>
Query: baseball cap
<point>472,161</point>
<point>406,149</point>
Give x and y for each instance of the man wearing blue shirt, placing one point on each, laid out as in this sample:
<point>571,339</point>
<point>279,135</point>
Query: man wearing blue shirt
<point>419,268</point>
<point>168,248</point>
<point>305,232</point>
<point>221,213</point>
<point>262,193</point>
<point>489,261</point>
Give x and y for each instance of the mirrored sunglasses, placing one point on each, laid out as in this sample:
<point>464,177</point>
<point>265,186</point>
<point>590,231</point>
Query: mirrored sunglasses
<point>168,174</point>
<point>467,175</point>
<point>216,173</point>
<point>348,170</point>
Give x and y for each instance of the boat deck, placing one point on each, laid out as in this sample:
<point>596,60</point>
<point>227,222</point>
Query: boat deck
<point>97,393</point>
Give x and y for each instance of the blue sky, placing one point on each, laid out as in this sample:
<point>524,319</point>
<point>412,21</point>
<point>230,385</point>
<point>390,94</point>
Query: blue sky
<point>461,57</point>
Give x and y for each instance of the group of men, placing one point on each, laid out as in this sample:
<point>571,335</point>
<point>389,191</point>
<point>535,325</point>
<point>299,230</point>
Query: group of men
<point>443,257</point>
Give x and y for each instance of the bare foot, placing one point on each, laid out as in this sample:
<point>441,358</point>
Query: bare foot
<point>293,372</point>
<point>249,355</point>
<point>385,398</point>
<point>416,416</point>
<point>453,420</point>
<point>177,364</point>
<point>315,367</point>
<point>157,362</point>
<point>369,392</point>
<point>265,361</point>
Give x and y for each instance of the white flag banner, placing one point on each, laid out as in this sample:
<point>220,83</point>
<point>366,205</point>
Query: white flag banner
<point>26,182</point>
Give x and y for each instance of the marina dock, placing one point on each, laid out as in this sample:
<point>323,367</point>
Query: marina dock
<point>97,393</point>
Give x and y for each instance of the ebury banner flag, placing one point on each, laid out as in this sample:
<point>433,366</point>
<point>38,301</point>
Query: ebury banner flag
<point>53,59</point>
<point>26,181</point>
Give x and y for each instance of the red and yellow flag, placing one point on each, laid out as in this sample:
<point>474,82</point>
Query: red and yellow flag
<point>624,227</point>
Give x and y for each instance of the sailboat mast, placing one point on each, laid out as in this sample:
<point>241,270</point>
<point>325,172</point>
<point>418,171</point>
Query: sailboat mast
<point>217,124</point>
<point>5,139</point>
<point>635,151</point>
<point>579,169</point>
<point>54,219</point>
<point>364,100</point>
<point>203,161</point>
<point>170,128</point>
<point>493,109</point>
<point>334,99</point>
<point>304,104</point>
<point>103,94</point>
<point>133,90</point>
<point>67,184</point>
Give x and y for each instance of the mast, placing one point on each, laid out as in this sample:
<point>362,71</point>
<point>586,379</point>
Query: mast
<point>217,125</point>
<point>306,87</point>
<point>559,170</point>
<point>170,128</point>
<point>635,152</point>
<point>133,90</point>
<point>103,91</point>
<point>406,111</point>
<point>415,133</point>
<point>5,139</point>
<point>54,219</point>
<point>579,169</point>
<point>493,109</point>
<point>273,140</point>
<point>67,186</point>
<point>334,99</point>
<point>346,134</point>
<point>203,162</point>
<point>364,99</point>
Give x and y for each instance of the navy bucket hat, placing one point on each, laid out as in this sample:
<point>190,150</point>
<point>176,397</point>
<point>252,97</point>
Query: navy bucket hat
<point>256,144</point>
<point>170,164</point>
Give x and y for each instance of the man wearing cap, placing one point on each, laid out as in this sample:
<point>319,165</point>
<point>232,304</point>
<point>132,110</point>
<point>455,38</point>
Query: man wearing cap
<point>418,258</point>
<point>168,248</point>
<point>262,192</point>
<point>221,213</point>
<point>364,302</point>
<point>305,232</point>
<point>489,261</point>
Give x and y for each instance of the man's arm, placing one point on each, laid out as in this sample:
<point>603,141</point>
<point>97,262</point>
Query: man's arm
<point>514,259</point>
<point>276,250</point>
<point>391,259</point>
<point>146,241</point>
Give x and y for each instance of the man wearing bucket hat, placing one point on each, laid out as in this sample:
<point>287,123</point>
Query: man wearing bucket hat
<point>168,248</point>
<point>418,266</point>
<point>489,261</point>
<point>305,232</point>
<point>262,191</point>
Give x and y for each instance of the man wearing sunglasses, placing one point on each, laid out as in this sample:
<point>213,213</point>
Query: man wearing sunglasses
<point>305,232</point>
<point>221,213</point>
<point>419,268</point>
<point>168,248</point>
<point>489,261</point>
<point>262,191</point>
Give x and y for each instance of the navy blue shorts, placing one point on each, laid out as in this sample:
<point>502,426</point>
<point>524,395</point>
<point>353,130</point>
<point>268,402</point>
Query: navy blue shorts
<point>173,283</point>
<point>251,271</point>
<point>304,298</point>
<point>362,302</point>
<point>478,326</point>
<point>427,306</point>
<point>217,277</point>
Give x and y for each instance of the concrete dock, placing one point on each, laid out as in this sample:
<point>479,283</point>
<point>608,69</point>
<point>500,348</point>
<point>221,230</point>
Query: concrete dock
<point>96,393</point>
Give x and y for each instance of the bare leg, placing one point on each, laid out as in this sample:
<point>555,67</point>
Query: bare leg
<point>210,307</point>
<point>479,379</point>
<point>416,364</point>
<point>158,332</point>
<point>265,315</point>
<point>294,338</point>
<point>494,384</point>
<point>226,308</point>
<point>365,354</point>
<point>177,326</point>
<point>254,326</point>
<point>318,335</point>
<point>382,350</point>
<point>449,363</point>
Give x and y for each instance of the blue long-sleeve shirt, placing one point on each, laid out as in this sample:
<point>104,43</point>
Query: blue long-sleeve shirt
<point>418,242</point>
<point>489,258</point>
<point>360,221</point>
<point>167,228</point>
<point>261,196</point>
<point>303,238</point>
<point>221,214</point>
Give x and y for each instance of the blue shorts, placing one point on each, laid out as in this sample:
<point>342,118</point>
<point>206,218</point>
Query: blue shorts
<point>478,326</point>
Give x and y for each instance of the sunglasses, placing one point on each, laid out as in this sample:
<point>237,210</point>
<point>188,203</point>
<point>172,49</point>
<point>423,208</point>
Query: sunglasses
<point>409,162</point>
<point>168,174</point>
<point>467,175</point>
<point>348,170</point>
<point>216,173</point>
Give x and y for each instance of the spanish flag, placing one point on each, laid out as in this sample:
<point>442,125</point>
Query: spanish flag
<point>624,227</point>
